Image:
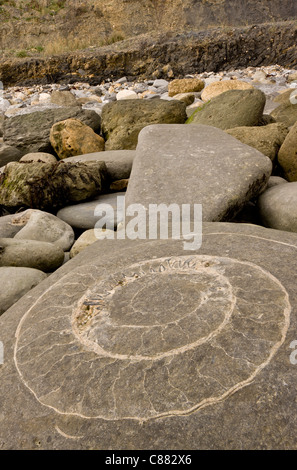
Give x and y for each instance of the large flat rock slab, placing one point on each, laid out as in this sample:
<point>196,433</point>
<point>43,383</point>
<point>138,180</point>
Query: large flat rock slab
<point>196,165</point>
<point>143,345</point>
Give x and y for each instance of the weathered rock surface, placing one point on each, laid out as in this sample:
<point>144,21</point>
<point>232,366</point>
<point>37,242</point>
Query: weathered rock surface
<point>39,157</point>
<point>196,165</point>
<point>267,139</point>
<point>278,207</point>
<point>85,215</point>
<point>16,282</point>
<point>171,390</point>
<point>42,226</point>
<point>118,162</point>
<point>31,254</point>
<point>30,132</point>
<point>287,156</point>
<point>123,120</point>
<point>72,137</point>
<point>46,186</point>
<point>234,108</point>
<point>217,88</point>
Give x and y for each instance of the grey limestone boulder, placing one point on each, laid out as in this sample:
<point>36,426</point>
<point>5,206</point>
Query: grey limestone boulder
<point>196,165</point>
<point>31,254</point>
<point>42,226</point>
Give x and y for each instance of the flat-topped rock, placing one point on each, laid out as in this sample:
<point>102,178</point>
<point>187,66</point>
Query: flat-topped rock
<point>143,345</point>
<point>196,165</point>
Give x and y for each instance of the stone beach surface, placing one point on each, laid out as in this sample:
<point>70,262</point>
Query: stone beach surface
<point>169,342</point>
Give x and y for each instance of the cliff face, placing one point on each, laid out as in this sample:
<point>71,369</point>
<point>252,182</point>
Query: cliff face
<point>162,55</point>
<point>35,23</point>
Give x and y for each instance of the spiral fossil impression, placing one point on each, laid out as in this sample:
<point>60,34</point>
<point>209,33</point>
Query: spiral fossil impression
<point>163,337</point>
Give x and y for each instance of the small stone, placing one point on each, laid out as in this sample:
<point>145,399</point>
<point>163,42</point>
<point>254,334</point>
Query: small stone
<point>278,207</point>
<point>187,98</point>
<point>126,95</point>
<point>119,185</point>
<point>88,238</point>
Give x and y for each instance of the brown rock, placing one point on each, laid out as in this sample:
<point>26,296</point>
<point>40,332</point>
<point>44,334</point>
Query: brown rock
<point>119,185</point>
<point>216,88</point>
<point>287,156</point>
<point>267,139</point>
<point>72,137</point>
<point>185,85</point>
<point>46,185</point>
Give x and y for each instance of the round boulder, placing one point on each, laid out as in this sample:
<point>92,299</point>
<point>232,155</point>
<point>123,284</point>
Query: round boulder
<point>278,207</point>
<point>42,226</point>
<point>31,254</point>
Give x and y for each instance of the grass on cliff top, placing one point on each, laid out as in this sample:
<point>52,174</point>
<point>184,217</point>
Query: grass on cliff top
<point>61,45</point>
